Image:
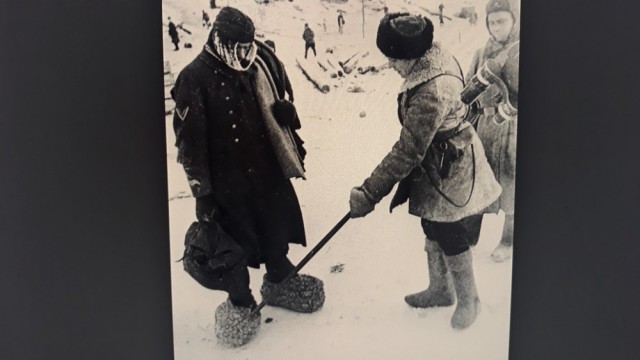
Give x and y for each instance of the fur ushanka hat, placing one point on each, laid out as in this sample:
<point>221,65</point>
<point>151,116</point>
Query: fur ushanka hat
<point>404,36</point>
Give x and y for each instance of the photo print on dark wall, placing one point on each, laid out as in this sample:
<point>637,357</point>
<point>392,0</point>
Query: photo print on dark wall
<point>291,124</point>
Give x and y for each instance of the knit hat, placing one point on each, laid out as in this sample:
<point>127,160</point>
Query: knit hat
<point>404,36</point>
<point>232,25</point>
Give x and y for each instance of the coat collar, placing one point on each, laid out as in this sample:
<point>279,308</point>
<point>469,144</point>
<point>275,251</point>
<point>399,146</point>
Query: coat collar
<point>215,63</point>
<point>435,62</point>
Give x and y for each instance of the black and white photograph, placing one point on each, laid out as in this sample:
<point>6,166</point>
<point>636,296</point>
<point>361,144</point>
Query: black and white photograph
<point>341,177</point>
<point>319,179</point>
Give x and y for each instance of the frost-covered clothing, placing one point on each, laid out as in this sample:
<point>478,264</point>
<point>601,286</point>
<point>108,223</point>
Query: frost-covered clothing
<point>438,160</point>
<point>499,136</point>
<point>233,150</point>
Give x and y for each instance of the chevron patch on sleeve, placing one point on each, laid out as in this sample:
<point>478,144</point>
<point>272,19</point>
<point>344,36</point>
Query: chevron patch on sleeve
<point>182,114</point>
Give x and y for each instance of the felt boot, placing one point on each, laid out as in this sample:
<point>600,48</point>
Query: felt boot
<point>468,305</point>
<point>440,291</point>
<point>303,293</point>
<point>504,250</point>
<point>234,326</point>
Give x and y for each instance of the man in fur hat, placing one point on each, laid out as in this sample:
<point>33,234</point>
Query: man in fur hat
<point>438,162</point>
<point>235,139</point>
<point>498,134</point>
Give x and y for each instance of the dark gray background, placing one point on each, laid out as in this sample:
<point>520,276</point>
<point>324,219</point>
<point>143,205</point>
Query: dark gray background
<point>83,212</point>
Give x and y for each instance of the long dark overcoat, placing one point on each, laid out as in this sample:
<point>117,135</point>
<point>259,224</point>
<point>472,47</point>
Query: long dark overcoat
<point>226,152</point>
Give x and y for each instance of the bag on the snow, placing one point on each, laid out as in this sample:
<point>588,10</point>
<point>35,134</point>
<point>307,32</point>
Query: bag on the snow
<point>210,254</point>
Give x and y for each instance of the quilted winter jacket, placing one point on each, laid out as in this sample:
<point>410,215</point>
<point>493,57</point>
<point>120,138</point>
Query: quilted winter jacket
<point>429,108</point>
<point>499,136</point>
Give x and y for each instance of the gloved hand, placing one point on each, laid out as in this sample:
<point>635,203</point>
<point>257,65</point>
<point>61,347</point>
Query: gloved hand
<point>359,203</point>
<point>205,208</point>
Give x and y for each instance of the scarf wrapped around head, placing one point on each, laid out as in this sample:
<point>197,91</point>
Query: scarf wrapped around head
<point>228,53</point>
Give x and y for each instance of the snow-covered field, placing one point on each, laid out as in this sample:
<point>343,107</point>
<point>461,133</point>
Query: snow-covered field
<point>364,316</point>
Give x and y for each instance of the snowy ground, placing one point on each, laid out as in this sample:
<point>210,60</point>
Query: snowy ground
<point>364,316</point>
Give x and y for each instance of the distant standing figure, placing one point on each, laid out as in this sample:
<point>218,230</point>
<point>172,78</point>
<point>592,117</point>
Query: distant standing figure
<point>173,33</point>
<point>340,22</point>
<point>441,16</point>
<point>473,19</point>
<point>309,42</point>
<point>205,19</point>
<point>270,44</point>
<point>212,4</point>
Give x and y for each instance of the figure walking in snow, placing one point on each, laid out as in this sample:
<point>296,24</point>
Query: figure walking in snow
<point>340,22</point>
<point>497,134</point>
<point>173,34</point>
<point>309,41</point>
<point>235,139</point>
<point>438,162</point>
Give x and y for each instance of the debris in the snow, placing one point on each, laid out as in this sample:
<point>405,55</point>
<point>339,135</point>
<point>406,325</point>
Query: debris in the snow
<point>327,66</point>
<point>180,195</point>
<point>355,89</point>
<point>363,114</point>
<point>352,62</point>
<point>188,45</point>
<point>181,27</point>
<point>366,69</point>
<point>315,77</point>
<point>337,268</point>
<point>268,320</point>
<point>350,58</point>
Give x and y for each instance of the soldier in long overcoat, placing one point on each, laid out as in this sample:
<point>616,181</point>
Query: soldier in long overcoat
<point>438,162</point>
<point>239,154</point>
